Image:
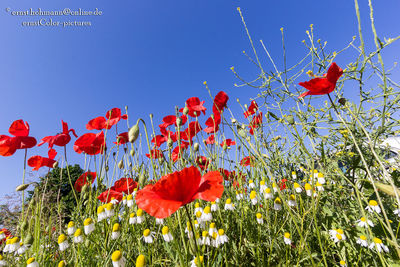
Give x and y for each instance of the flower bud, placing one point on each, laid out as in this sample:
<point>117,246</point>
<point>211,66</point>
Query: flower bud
<point>121,164</point>
<point>133,133</point>
<point>170,142</point>
<point>290,119</point>
<point>342,101</point>
<point>196,147</point>
<point>179,121</point>
<point>107,168</point>
<point>242,133</point>
<point>142,178</point>
<point>24,225</point>
<point>132,152</point>
<point>55,165</point>
<point>21,187</point>
<point>233,121</point>
<point>185,111</point>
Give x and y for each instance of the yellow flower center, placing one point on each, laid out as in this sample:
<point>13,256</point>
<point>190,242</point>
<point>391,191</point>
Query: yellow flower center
<point>207,209</point>
<point>221,231</point>
<point>278,200</point>
<point>129,197</point>
<point>88,221</point>
<point>132,215</point>
<point>165,230</point>
<point>267,190</point>
<point>204,234</point>
<point>100,209</point>
<point>139,212</point>
<point>198,261</point>
<point>340,231</point>
<point>363,219</point>
<point>262,182</point>
<point>30,260</point>
<point>228,201</point>
<point>307,186</point>
<point>146,232</point>
<point>115,227</point>
<point>253,194</point>
<point>377,240</point>
<point>78,232</point>
<point>363,237</point>
<point>70,224</point>
<point>109,206</point>
<point>373,203</point>
<point>116,256</point>
<point>292,197</point>
<point>198,214</point>
<point>339,237</point>
<point>287,235</point>
<point>61,238</point>
<point>61,264</point>
<point>259,216</point>
<point>197,205</point>
<point>342,262</point>
<point>140,261</point>
<point>212,225</point>
<point>296,185</point>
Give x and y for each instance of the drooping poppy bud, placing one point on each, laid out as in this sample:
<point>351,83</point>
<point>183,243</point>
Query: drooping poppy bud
<point>133,133</point>
<point>21,187</point>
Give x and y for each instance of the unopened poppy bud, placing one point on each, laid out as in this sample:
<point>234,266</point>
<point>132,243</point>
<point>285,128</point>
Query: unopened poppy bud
<point>243,126</point>
<point>179,121</point>
<point>21,187</point>
<point>273,115</point>
<point>114,154</point>
<point>107,168</point>
<point>185,111</point>
<point>151,115</point>
<point>132,152</point>
<point>28,240</point>
<point>84,188</point>
<point>225,147</point>
<point>121,164</point>
<point>55,164</point>
<point>290,119</point>
<point>24,225</point>
<point>133,133</point>
<point>125,149</point>
<point>233,121</point>
<point>196,147</point>
<point>142,177</point>
<point>170,142</point>
<point>342,101</point>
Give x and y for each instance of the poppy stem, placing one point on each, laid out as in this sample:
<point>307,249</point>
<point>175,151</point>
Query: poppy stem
<point>191,226</point>
<point>333,104</point>
<point>69,175</point>
<point>23,192</point>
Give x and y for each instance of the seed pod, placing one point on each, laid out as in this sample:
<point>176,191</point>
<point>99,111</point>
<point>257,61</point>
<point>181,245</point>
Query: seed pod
<point>84,188</point>
<point>21,187</point>
<point>179,121</point>
<point>133,133</point>
<point>342,101</point>
<point>185,111</point>
<point>55,165</point>
<point>196,147</point>
<point>290,119</point>
<point>87,242</point>
<point>121,164</point>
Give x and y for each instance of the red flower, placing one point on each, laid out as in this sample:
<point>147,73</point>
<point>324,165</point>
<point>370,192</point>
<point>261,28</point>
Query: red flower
<point>176,152</point>
<point>21,140</point>
<point>202,162</point>
<point>122,138</point>
<point>158,140</point>
<point>210,140</point>
<point>247,161</point>
<point>178,189</point>
<point>220,101</point>
<point>323,85</point>
<point>212,125</point>
<point>191,131</point>
<point>112,117</point>
<point>109,195</point>
<point>155,154</point>
<point>86,178</point>
<point>282,184</point>
<point>228,143</point>
<point>194,105</point>
<point>38,161</point>
<point>60,139</point>
<point>90,143</point>
<point>124,185</point>
<point>251,109</point>
<point>7,233</point>
<point>170,120</point>
<point>255,123</point>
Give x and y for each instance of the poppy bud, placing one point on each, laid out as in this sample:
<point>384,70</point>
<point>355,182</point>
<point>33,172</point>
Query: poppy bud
<point>55,165</point>
<point>33,202</point>
<point>273,115</point>
<point>170,142</point>
<point>107,168</point>
<point>151,115</point>
<point>342,101</point>
<point>125,149</point>
<point>290,119</point>
<point>185,111</point>
<point>243,126</point>
<point>21,187</point>
<point>179,121</point>
<point>141,179</point>
<point>233,121</point>
<point>84,188</point>
<point>114,154</point>
<point>225,147</point>
<point>132,152</point>
<point>121,164</point>
<point>196,147</point>
<point>24,225</point>
<point>133,133</point>
<point>28,240</point>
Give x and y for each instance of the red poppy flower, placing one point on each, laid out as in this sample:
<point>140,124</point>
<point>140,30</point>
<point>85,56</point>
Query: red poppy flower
<point>323,85</point>
<point>86,178</point>
<point>90,143</point>
<point>255,123</point>
<point>155,154</point>
<point>178,150</point>
<point>124,185</point>
<point>122,138</point>
<point>191,131</point>
<point>171,119</point>
<point>282,184</point>
<point>212,125</point>
<point>38,161</point>
<point>7,233</point>
<point>228,143</point>
<point>210,140</point>
<point>178,189</point>
<point>158,140</point>
<point>60,139</point>
<point>251,109</point>
<point>110,194</point>
<point>20,130</point>
<point>112,117</point>
<point>220,101</point>
<point>247,161</point>
<point>195,106</point>
<point>202,162</point>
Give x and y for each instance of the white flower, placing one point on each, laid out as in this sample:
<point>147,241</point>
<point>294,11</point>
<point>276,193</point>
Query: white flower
<point>148,236</point>
<point>292,201</point>
<point>71,228</point>
<point>396,211</point>
<point>253,197</point>
<point>31,262</point>
<point>274,187</point>
<point>63,242</point>
<point>129,201</point>
<point>294,176</point>
<point>342,263</point>
<point>377,243</point>
<point>297,188</point>
<point>78,237</point>
<point>262,186</point>
<point>197,262</point>
<point>259,218</point>
<point>188,230</point>
<point>337,235</point>
<point>229,205</point>
<point>251,184</point>
<point>239,196</point>
<point>362,240</point>
<point>308,189</point>
<point>2,235</point>
<point>88,226</point>
<point>221,238</point>
<point>159,221</point>
<point>268,194</point>
<point>205,239</point>
<point>166,234</point>
<point>139,216</point>
<point>117,259</point>
<point>124,200</point>
<point>277,204</point>
<point>14,244</point>
<point>22,249</point>
<point>2,261</point>
<point>110,210</point>
<point>373,206</point>
<point>206,216</point>
<point>115,231</point>
<point>197,208</point>
<point>114,201</point>
<point>321,178</point>
<point>212,229</point>
<point>214,206</point>
<point>363,222</point>
<point>101,214</point>
<point>319,186</point>
<point>132,218</point>
<point>286,238</point>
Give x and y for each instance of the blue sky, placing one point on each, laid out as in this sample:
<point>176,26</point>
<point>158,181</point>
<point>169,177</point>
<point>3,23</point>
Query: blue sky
<point>152,55</point>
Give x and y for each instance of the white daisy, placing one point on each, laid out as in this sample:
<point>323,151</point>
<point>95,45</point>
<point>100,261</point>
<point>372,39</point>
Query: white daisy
<point>377,243</point>
<point>362,240</point>
<point>63,242</point>
<point>166,234</point>
<point>286,238</point>
<point>117,259</point>
<point>373,206</point>
<point>363,222</point>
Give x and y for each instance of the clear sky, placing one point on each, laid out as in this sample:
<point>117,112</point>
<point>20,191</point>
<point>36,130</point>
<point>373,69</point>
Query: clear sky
<point>150,55</point>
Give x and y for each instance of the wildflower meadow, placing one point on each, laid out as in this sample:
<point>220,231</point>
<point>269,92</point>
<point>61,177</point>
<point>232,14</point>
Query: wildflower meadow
<point>302,176</point>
